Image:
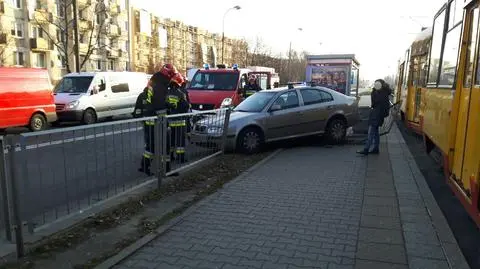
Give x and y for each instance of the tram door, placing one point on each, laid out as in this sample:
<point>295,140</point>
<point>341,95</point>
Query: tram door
<point>467,138</point>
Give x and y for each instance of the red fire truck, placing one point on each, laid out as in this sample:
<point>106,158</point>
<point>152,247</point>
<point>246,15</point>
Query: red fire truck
<point>212,88</point>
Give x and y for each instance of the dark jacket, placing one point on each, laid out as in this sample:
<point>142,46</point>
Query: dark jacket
<point>140,104</point>
<point>176,101</point>
<point>251,89</point>
<point>159,84</point>
<point>380,106</point>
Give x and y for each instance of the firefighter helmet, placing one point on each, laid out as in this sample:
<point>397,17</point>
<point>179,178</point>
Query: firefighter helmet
<point>168,70</point>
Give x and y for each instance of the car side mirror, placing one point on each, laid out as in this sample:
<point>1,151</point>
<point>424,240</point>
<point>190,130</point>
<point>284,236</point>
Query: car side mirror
<point>275,108</point>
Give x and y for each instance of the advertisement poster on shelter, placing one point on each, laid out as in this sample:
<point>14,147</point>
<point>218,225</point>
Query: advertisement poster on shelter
<point>333,77</point>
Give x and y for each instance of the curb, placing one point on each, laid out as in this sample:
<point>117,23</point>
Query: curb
<point>444,234</point>
<point>128,251</point>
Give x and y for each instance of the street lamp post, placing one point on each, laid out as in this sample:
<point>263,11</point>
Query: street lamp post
<point>290,55</point>
<point>223,29</point>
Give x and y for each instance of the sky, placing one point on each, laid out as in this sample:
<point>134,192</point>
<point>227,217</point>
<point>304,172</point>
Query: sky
<point>378,32</point>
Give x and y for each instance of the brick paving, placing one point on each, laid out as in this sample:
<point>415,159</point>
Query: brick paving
<point>311,207</point>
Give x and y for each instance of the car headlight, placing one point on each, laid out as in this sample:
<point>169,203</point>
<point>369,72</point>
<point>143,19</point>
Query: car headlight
<point>214,130</point>
<point>226,102</point>
<point>72,105</point>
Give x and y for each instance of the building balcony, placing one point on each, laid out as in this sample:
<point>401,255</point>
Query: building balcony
<point>85,25</point>
<point>114,9</point>
<point>84,3</point>
<point>114,53</point>
<point>40,44</point>
<point>142,40</point>
<point>83,48</point>
<point>41,16</point>
<point>114,30</point>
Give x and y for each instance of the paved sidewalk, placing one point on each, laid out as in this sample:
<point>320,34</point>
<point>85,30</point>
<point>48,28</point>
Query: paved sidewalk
<point>314,207</point>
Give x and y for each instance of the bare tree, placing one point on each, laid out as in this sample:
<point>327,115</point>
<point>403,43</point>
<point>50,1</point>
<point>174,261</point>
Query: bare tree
<point>6,41</point>
<point>94,17</point>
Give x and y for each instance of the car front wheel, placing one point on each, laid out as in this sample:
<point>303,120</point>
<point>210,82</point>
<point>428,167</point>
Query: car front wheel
<point>250,141</point>
<point>336,131</point>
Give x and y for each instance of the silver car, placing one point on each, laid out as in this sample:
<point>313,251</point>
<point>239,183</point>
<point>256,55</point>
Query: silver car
<point>283,113</point>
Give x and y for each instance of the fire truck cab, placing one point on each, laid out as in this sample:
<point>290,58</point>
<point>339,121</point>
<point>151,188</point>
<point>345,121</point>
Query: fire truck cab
<point>212,88</point>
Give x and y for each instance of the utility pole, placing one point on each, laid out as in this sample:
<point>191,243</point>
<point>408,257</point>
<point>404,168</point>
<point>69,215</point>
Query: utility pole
<point>75,33</point>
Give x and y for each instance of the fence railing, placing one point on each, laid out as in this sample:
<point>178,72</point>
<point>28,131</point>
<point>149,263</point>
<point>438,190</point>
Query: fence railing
<point>50,175</point>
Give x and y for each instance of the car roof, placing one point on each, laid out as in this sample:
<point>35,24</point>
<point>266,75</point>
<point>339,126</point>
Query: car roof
<point>284,89</point>
<point>91,74</point>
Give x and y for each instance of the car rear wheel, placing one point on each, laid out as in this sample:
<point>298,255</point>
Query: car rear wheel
<point>38,122</point>
<point>89,116</point>
<point>336,131</point>
<point>250,141</point>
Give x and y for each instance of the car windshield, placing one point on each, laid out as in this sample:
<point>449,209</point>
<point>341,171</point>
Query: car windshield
<point>256,102</point>
<point>214,81</point>
<point>73,85</point>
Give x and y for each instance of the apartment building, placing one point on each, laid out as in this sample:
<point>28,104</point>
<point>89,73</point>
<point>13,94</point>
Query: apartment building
<point>40,34</point>
<point>159,40</point>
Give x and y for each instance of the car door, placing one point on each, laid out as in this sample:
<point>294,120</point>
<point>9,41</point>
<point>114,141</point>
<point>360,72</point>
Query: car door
<point>283,123</point>
<point>317,105</point>
<point>100,99</point>
<point>120,97</point>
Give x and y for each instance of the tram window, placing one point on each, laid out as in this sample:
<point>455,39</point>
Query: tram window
<point>436,48</point>
<point>472,44</point>
<point>456,12</point>
<point>450,56</point>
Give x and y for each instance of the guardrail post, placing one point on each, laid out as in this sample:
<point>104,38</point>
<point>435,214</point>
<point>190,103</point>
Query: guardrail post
<point>3,185</point>
<point>160,148</point>
<point>225,129</point>
<point>15,199</point>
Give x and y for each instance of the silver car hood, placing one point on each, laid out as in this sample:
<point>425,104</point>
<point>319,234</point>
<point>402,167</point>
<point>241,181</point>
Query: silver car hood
<point>235,116</point>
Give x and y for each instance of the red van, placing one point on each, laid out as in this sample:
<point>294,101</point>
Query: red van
<point>26,98</point>
<point>213,88</point>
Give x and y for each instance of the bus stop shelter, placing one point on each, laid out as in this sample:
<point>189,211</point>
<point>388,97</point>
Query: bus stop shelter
<point>335,71</point>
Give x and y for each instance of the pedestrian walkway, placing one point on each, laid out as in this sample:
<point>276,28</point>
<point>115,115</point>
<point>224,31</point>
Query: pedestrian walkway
<point>314,207</point>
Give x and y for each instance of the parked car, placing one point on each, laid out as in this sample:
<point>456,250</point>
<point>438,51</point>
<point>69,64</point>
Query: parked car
<point>283,113</point>
<point>26,98</point>
<point>89,97</point>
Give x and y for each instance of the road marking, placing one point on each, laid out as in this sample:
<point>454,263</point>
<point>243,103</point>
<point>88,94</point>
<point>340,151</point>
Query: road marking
<point>75,139</point>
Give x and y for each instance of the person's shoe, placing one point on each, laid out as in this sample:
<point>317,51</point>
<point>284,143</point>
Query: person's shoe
<point>362,152</point>
<point>375,151</point>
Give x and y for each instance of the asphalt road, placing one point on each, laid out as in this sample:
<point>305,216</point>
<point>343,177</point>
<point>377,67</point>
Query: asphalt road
<point>64,172</point>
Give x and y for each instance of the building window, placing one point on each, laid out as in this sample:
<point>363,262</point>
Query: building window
<point>16,3</point>
<point>98,18</point>
<point>19,58</point>
<point>436,50</point>
<point>37,32</point>
<point>111,65</point>
<point>39,60</point>
<point>98,64</point>
<point>60,36</point>
<point>17,29</point>
<point>81,38</point>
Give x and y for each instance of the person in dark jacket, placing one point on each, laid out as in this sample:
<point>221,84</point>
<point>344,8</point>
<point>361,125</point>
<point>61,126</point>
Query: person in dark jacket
<point>140,104</point>
<point>379,110</point>
<point>155,105</point>
<point>252,87</point>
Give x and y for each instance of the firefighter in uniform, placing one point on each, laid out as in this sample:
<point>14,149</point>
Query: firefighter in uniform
<point>155,105</point>
<point>177,104</point>
<point>252,87</point>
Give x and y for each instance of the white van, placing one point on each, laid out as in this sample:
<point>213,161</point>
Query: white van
<point>89,97</point>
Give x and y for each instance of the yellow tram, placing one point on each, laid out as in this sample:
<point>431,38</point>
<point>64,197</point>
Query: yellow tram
<point>449,111</point>
<point>412,79</point>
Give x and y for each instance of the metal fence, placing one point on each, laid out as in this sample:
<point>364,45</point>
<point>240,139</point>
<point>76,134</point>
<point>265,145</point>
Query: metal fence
<point>57,173</point>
